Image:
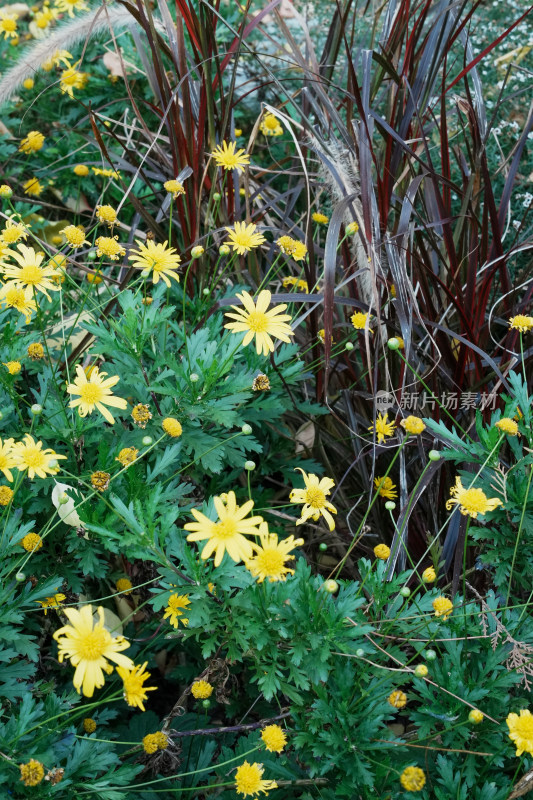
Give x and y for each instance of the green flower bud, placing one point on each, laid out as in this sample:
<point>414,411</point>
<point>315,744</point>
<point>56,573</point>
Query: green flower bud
<point>390,505</point>
<point>249,465</point>
<point>216,196</point>
<point>63,499</point>
<point>91,255</point>
<point>224,250</point>
<point>246,429</point>
<point>205,291</point>
<point>405,591</point>
<point>147,441</point>
<point>393,344</point>
<point>430,655</point>
<point>434,455</point>
<point>323,547</point>
<point>360,653</point>
<point>194,377</point>
<point>348,346</point>
<point>197,251</point>
<point>421,671</point>
<point>20,576</point>
<point>36,409</point>
<point>331,586</point>
<point>206,703</point>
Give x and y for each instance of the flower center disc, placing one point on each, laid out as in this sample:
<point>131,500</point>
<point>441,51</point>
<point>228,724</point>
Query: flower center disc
<point>271,562</point>
<point>31,274</point>
<point>474,500</point>
<point>93,645</point>
<point>257,321</point>
<point>34,457</point>
<point>226,529</point>
<point>91,393</point>
<point>315,497</point>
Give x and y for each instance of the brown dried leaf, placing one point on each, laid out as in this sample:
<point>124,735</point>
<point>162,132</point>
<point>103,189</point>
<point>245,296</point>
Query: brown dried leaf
<point>524,785</point>
<point>114,64</point>
<point>305,436</point>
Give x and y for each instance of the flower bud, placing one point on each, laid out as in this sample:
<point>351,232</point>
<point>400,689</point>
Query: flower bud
<point>20,576</point>
<point>63,499</point>
<point>430,655</point>
<point>393,344</point>
<point>206,291</point>
<point>147,441</point>
<point>197,251</point>
<point>246,429</point>
<point>331,586</point>
<point>36,409</point>
<point>216,196</point>
<point>91,255</point>
<point>224,250</point>
<point>360,652</point>
<point>421,671</point>
<point>475,716</point>
<point>206,703</point>
<point>434,455</point>
<point>249,465</point>
<point>194,377</point>
<point>405,591</point>
<point>53,463</point>
<point>348,346</point>
<point>322,547</point>
<point>390,505</point>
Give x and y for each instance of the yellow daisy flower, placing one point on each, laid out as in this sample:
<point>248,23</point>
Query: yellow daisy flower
<point>228,533</point>
<point>227,157</point>
<point>521,323</point>
<point>70,6</point>
<point>13,231</point>
<point>292,247</point>
<point>413,779</point>
<point>201,690</point>
<point>32,187</point>
<point>274,738</point>
<point>52,602</point>
<point>270,125</point>
<point>7,460</point>
<point>29,274</point>
<point>386,487</point>
<point>30,455</point>
<point>159,260</point>
<point>95,392</point>
<point>255,320</point>
<point>177,604</point>
<point>75,235</point>
<point>174,188</point>
<point>243,237</point>
<point>359,320</point>
<point>71,79</point>
<point>270,556</point>
<point>134,689</point>
<point>471,501</point>
<point>249,782</point>
<point>382,427</point>
<point>32,142</point>
<point>314,500</point>
<point>521,731</point>
<point>89,646</point>
<point>13,296</point>
<point>413,425</point>
<point>508,426</point>
<point>8,24</point>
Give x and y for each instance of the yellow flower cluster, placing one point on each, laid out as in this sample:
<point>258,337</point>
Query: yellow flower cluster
<point>27,455</point>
